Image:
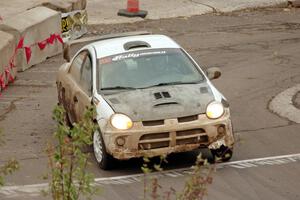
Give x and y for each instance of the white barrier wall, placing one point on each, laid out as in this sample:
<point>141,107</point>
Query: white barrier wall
<point>37,35</point>
<point>65,6</point>
<point>8,71</point>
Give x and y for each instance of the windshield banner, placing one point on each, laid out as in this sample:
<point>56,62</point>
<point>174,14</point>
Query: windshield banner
<point>137,54</point>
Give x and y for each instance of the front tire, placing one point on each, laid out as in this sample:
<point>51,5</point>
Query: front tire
<point>104,160</point>
<point>223,154</point>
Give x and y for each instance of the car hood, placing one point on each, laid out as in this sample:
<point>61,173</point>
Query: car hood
<point>162,102</point>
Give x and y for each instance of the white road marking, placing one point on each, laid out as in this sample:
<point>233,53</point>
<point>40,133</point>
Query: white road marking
<point>282,104</point>
<point>35,189</point>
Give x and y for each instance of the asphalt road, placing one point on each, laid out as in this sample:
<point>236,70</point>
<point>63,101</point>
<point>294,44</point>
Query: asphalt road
<point>258,52</point>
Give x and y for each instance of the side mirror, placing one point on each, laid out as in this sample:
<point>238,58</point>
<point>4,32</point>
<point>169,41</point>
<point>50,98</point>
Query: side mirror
<point>66,52</point>
<point>213,73</point>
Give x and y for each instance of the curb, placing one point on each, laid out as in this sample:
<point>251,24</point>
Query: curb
<point>296,99</point>
<point>283,104</point>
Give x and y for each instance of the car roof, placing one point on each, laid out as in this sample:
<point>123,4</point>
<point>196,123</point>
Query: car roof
<point>114,46</point>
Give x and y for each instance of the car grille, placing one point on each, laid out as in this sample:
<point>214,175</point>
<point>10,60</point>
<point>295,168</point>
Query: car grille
<point>154,141</point>
<point>162,122</point>
<point>153,123</point>
<point>169,139</point>
<point>187,119</point>
<point>193,136</point>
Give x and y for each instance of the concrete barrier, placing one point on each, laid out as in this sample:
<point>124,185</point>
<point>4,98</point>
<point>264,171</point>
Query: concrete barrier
<point>74,17</point>
<point>65,6</point>
<point>37,35</point>
<point>7,49</point>
<point>294,3</point>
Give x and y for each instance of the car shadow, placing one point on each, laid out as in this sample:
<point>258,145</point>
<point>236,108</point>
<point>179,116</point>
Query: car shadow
<point>134,165</point>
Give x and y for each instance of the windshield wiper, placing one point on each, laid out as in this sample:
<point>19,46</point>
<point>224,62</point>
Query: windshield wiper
<point>172,83</point>
<point>119,88</point>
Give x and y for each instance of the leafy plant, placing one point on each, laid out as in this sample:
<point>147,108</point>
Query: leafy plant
<point>68,162</point>
<point>155,187</point>
<point>201,176</point>
<point>9,167</point>
<point>195,187</point>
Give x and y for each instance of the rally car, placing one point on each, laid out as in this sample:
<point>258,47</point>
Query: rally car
<point>151,98</point>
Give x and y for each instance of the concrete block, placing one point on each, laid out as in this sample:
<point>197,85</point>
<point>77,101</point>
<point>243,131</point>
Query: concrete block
<point>65,6</point>
<point>295,3</point>
<point>34,26</point>
<point>7,49</point>
<point>79,4</point>
<point>59,5</point>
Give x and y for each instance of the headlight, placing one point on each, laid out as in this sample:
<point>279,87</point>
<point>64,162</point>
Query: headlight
<point>121,121</point>
<point>214,110</point>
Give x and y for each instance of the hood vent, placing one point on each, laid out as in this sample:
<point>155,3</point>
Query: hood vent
<point>166,94</point>
<point>136,44</point>
<point>166,103</point>
<point>160,95</point>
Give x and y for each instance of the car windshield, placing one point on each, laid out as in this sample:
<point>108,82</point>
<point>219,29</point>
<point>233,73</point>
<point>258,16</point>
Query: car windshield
<point>147,68</point>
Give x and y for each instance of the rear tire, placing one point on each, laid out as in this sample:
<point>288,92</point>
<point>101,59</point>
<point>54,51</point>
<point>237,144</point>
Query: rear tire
<point>67,120</point>
<point>61,102</point>
<point>104,160</point>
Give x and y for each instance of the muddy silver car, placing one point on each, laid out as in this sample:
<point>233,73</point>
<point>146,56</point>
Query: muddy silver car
<point>151,98</point>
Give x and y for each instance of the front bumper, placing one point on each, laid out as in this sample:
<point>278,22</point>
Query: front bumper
<point>168,136</point>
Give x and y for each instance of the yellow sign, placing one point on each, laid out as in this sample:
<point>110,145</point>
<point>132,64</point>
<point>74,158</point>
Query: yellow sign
<point>74,24</point>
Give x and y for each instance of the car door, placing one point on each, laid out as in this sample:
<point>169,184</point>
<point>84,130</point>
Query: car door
<point>82,93</point>
<point>71,83</point>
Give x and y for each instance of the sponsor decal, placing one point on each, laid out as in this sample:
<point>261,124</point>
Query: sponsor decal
<point>137,55</point>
